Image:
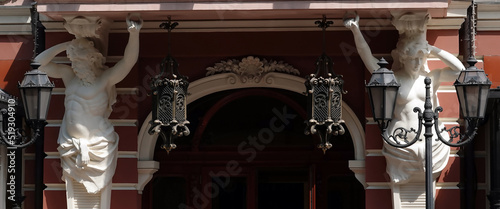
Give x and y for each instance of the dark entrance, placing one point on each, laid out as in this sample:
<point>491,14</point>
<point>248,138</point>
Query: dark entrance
<point>247,150</point>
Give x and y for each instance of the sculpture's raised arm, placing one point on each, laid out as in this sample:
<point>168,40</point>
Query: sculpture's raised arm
<point>46,56</point>
<point>454,65</point>
<point>449,59</point>
<point>363,49</point>
<point>52,69</point>
<point>130,56</point>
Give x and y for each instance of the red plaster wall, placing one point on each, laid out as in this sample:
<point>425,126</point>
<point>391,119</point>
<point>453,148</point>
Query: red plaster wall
<point>451,173</point>
<point>54,199</point>
<point>373,139</point>
<point>378,198</point>
<point>447,198</point>
<point>15,55</point>
<point>375,169</point>
<point>444,39</point>
<point>487,43</point>
<point>492,68</point>
<point>125,199</point>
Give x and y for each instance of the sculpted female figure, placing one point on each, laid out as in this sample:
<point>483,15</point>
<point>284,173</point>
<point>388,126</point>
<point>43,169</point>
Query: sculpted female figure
<point>410,69</point>
<point>88,144</point>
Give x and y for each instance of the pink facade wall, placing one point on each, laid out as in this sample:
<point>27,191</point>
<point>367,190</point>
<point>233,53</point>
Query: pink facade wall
<point>197,51</point>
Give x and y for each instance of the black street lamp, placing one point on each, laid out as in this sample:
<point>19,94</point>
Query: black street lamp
<point>324,97</point>
<point>35,91</point>
<point>472,88</point>
<point>169,110</point>
<point>383,90</point>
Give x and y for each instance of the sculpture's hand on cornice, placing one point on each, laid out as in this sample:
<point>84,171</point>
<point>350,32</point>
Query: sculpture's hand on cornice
<point>134,25</point>
<point>351,22</point>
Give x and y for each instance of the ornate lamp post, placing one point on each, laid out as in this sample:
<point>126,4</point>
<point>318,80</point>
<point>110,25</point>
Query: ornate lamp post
<point>324,97</point>
<point>472,88</point>
<point>169,99</point>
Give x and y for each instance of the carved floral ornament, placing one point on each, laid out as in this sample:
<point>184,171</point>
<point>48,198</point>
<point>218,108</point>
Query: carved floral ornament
<point>251,69</point>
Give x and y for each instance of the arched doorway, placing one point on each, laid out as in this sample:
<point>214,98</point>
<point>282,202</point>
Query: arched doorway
<point>228,81</point>
<point>248,150</point>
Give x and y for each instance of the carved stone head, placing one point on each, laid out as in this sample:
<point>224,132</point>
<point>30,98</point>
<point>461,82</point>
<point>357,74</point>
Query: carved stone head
<point>87,62</point>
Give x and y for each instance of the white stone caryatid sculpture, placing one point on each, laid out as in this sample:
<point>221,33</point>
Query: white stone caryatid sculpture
<point>88,144</point>
<point>407,165</point>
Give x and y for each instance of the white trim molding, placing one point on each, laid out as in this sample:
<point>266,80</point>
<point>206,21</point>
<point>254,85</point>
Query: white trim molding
<point>15,20</point>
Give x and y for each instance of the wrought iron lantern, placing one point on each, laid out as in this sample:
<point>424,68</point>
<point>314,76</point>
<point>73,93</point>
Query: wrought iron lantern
<point>382,92</point>
<point>169,99</point>
<point>324,92</point>
<point>472,88</point>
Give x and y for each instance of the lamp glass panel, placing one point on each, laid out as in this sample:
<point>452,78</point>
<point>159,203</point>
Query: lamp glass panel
<point>377,97</point>
<point>461,77</point>
<point>44,102</point>
<point>472,76</point>
<point>482,102</point>
<point>390,101</point>
<point>461,100</point>
<point>388,77</point>
<point>472,98</point>
<point>31,97</point>
<point>24,102</point>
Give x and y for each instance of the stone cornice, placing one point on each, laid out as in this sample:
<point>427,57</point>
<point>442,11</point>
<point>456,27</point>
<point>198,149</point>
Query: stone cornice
<point>15,20</point>
<point>235,17</point>
<point>263,25</point>
<point>488,16</point>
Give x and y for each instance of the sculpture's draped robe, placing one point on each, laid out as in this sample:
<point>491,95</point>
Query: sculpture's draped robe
<point>405,163</point>
<point>102,145</point>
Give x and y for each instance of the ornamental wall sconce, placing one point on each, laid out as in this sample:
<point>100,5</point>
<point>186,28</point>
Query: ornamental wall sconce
<point>472,86</point>
<point>169,88</point>
<point>35,91</point>
<point>324,97</point>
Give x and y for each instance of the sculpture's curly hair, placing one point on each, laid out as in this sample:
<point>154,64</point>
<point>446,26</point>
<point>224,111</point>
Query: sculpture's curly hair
<point>83,50</point>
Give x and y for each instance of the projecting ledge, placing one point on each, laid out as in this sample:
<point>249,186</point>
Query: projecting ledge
<point>145,170</point>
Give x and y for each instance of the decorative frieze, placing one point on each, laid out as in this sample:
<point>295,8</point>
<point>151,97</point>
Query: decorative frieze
<point>251,69</point>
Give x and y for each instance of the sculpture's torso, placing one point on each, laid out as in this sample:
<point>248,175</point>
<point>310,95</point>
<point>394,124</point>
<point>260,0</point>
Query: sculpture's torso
<point>86,106</point>
<point>403,163</point>
<point>411,94</point>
